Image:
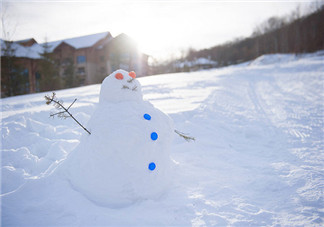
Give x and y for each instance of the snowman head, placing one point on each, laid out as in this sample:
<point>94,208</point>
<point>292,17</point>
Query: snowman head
<point>120,86</point>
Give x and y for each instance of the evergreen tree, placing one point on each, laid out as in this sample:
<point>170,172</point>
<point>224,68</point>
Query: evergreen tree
<point>69,73</point>
<point>13,77</point>
<point>49,71</point>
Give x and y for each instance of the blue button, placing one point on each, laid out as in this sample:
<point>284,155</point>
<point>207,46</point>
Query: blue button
<point>152,166</point>
<point>147,116</point>
<point>154,136</point>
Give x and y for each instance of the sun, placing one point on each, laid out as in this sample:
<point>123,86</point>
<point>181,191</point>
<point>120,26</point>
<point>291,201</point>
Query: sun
<point>154,27</point>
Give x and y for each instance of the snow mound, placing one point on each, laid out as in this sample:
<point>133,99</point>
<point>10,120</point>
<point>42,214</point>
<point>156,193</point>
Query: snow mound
<point>269,59</point>
<point>126,158</point>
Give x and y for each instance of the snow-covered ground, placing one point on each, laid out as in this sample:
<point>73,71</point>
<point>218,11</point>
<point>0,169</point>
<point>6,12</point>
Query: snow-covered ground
<point>257,159</point>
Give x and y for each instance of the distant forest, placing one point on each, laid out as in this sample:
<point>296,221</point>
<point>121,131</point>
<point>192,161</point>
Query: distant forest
<point>293,34</point>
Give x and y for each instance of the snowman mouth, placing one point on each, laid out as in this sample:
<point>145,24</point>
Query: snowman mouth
<point>127,87</point>
<point>133,88</point>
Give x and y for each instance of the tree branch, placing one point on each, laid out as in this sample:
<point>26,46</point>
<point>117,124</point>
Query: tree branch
<point>59,105</point>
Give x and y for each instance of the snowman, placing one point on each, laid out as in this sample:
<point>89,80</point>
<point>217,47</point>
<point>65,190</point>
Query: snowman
<point>127,156</point>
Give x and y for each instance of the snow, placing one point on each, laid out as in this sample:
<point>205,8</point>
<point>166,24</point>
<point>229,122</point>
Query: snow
<point>196,62</point>
<point>35,51</point>
<point>257,158</point>
<point>273,59</point>
<point>204,61</point>
<point>80,42</point>
<point>125,88</point>
<point>127,156</point>
<point>32,52</point>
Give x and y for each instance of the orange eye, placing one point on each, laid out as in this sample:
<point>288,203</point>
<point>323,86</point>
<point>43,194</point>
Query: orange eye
<point>119,76</point>
<point>132,74</point>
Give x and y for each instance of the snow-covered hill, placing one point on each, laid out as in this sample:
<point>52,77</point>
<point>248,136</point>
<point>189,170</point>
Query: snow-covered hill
<point>257,159</point>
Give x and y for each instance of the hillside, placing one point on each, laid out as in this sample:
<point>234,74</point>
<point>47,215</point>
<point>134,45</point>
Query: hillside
<point>276,35</point>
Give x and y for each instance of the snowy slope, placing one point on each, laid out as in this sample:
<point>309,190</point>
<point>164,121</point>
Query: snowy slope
<point>257,159</point>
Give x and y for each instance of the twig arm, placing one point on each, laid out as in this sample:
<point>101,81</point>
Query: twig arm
<point>187,138</point>
<point>52,115</point>
<point>59,104</point>
<point>71,104</point>
<point>66,110</point>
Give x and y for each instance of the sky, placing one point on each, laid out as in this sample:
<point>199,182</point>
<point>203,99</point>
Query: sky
<point>162,29</point>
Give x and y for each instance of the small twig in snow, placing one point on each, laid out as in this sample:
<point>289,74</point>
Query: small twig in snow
<point>187,138</point>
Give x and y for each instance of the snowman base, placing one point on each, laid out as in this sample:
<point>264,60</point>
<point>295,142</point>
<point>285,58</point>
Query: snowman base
<point>126,158</point>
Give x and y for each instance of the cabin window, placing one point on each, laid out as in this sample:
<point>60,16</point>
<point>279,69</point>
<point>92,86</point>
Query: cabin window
<point>81,59</point>
<point>81,70</point>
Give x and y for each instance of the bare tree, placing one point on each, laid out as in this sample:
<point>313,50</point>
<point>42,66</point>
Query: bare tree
<point>12,75</point>
<point>8,26</point>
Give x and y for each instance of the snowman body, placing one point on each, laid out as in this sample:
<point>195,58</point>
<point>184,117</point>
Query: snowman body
<point>127,156</point>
